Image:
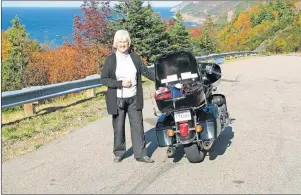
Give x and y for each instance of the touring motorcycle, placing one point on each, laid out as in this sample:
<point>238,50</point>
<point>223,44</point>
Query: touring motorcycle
<point>191,115</point>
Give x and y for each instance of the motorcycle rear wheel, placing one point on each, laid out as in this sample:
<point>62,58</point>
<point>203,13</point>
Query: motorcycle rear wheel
<point>193,154</point>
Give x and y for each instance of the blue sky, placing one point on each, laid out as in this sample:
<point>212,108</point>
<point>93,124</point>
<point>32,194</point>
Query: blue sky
<point>74,3</point>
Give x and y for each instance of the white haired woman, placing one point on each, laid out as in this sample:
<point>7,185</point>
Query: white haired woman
<point>122,75</point>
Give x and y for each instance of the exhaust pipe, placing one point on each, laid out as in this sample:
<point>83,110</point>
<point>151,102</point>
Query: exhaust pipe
<point>207,145</point>
<point>170,151</point>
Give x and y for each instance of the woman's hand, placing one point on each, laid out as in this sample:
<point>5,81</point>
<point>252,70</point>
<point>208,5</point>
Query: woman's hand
<point>126,84</point>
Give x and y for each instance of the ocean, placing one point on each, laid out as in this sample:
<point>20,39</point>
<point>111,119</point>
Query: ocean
<point>52,24</point>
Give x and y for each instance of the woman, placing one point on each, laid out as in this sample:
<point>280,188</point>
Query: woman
<point>122,75</point>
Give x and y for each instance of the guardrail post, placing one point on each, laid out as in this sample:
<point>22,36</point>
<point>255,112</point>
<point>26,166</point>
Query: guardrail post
<point>30,109</point>
<point>91,92</point>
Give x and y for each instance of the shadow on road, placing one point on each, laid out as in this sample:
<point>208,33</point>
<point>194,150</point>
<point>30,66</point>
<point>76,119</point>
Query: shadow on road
<point>218,148</point>
<point>179,154</point>
<point>221,144</point>
<point>151,140</point>
<point>150,137</point>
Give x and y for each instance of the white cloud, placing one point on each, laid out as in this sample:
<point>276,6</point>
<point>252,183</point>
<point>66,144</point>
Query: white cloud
<point>74,3</point>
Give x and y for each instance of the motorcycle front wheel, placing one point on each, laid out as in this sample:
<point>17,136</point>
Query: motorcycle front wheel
<point>193,154</point>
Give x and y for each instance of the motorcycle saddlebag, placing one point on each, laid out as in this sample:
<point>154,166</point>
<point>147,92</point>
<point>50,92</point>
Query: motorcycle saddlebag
<point>163,124</point>
<point>210,121</point>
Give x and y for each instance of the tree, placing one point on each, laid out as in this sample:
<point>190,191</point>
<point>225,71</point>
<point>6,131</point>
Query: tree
<point>93,27</point>
<point>254,28</point>
<point>170,22</point>
<point>206,43</point>
<point>179,37</point>
<point>18,56</point>
<point>148,36</point>
<point>195,31</point>
<point>6,46</point>
<point>65,63</point>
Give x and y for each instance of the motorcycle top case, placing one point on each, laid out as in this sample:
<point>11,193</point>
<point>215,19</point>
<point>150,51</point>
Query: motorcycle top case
<point>178,79</point>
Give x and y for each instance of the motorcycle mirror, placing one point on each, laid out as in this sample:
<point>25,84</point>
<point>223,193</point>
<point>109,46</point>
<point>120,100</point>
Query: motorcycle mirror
<point>219,61</point>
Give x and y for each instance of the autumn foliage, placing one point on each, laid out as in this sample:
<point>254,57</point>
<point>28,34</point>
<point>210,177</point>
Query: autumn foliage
<point>66,63</point>
<point>83,57</point>
<point>195,32</point>
<point>93,27</point>
<point>170,23</point>
<point>6,46</point>
<point>261,23</point>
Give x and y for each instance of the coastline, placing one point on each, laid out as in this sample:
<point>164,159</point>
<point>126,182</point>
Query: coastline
<point>189,18</point>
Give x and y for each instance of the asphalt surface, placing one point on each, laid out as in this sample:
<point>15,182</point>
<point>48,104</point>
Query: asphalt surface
<point>259,153</point>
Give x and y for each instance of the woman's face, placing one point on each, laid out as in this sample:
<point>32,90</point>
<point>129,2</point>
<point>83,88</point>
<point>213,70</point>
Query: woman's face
<point>122,45</point>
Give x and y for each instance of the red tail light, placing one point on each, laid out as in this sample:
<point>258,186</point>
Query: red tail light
<point>184,129</point>
<point>162,93</point>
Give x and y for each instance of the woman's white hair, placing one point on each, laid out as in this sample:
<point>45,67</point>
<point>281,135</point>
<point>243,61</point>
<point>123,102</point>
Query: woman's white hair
<point>121,35</point>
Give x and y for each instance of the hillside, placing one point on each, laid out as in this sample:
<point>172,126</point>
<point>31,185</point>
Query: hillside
<point>222,12</point>
<point>274,27</point>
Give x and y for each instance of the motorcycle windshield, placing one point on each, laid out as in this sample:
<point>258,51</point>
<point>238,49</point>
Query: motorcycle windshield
<point>176,66</point>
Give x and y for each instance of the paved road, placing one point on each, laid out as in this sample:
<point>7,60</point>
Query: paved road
<point>259,153</point>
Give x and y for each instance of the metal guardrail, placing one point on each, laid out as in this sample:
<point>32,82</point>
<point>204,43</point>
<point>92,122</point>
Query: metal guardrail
<point>212,56</point>
<point>36,93</point>
<point>33,94</point>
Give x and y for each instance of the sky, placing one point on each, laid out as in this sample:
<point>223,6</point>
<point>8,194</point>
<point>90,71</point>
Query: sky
<point>6,3</point>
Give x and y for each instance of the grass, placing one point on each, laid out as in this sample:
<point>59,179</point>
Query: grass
<point>21,134</point>
<point>54,118</point>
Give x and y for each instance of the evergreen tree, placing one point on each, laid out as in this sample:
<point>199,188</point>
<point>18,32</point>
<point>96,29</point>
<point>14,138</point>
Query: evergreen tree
<point>17,60</point>
<point>180,39</point>
<point>146,29</point>
<point>207,43</point>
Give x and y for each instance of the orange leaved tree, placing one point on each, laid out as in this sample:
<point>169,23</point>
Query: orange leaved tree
<point>66,63</point>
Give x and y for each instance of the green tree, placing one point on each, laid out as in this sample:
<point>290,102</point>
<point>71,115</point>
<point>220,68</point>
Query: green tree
<point>17,60</point>
<point>147,31</point>
<point>207,43</point>
<point>178,34</point>
<point>18,56</point>
<point>253,20</point>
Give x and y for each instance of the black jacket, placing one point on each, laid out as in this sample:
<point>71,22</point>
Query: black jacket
<point>108,78</point>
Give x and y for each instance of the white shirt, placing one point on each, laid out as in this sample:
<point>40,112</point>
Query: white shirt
<point>125,70</point>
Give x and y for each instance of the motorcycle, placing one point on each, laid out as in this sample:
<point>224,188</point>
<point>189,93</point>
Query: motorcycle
<point>191,116</point>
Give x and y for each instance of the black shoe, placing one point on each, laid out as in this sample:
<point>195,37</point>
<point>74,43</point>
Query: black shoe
<point>145,159</point>
<point>117,159</point>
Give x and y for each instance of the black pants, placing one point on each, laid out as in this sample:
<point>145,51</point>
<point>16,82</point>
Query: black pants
<point>137,129</point>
